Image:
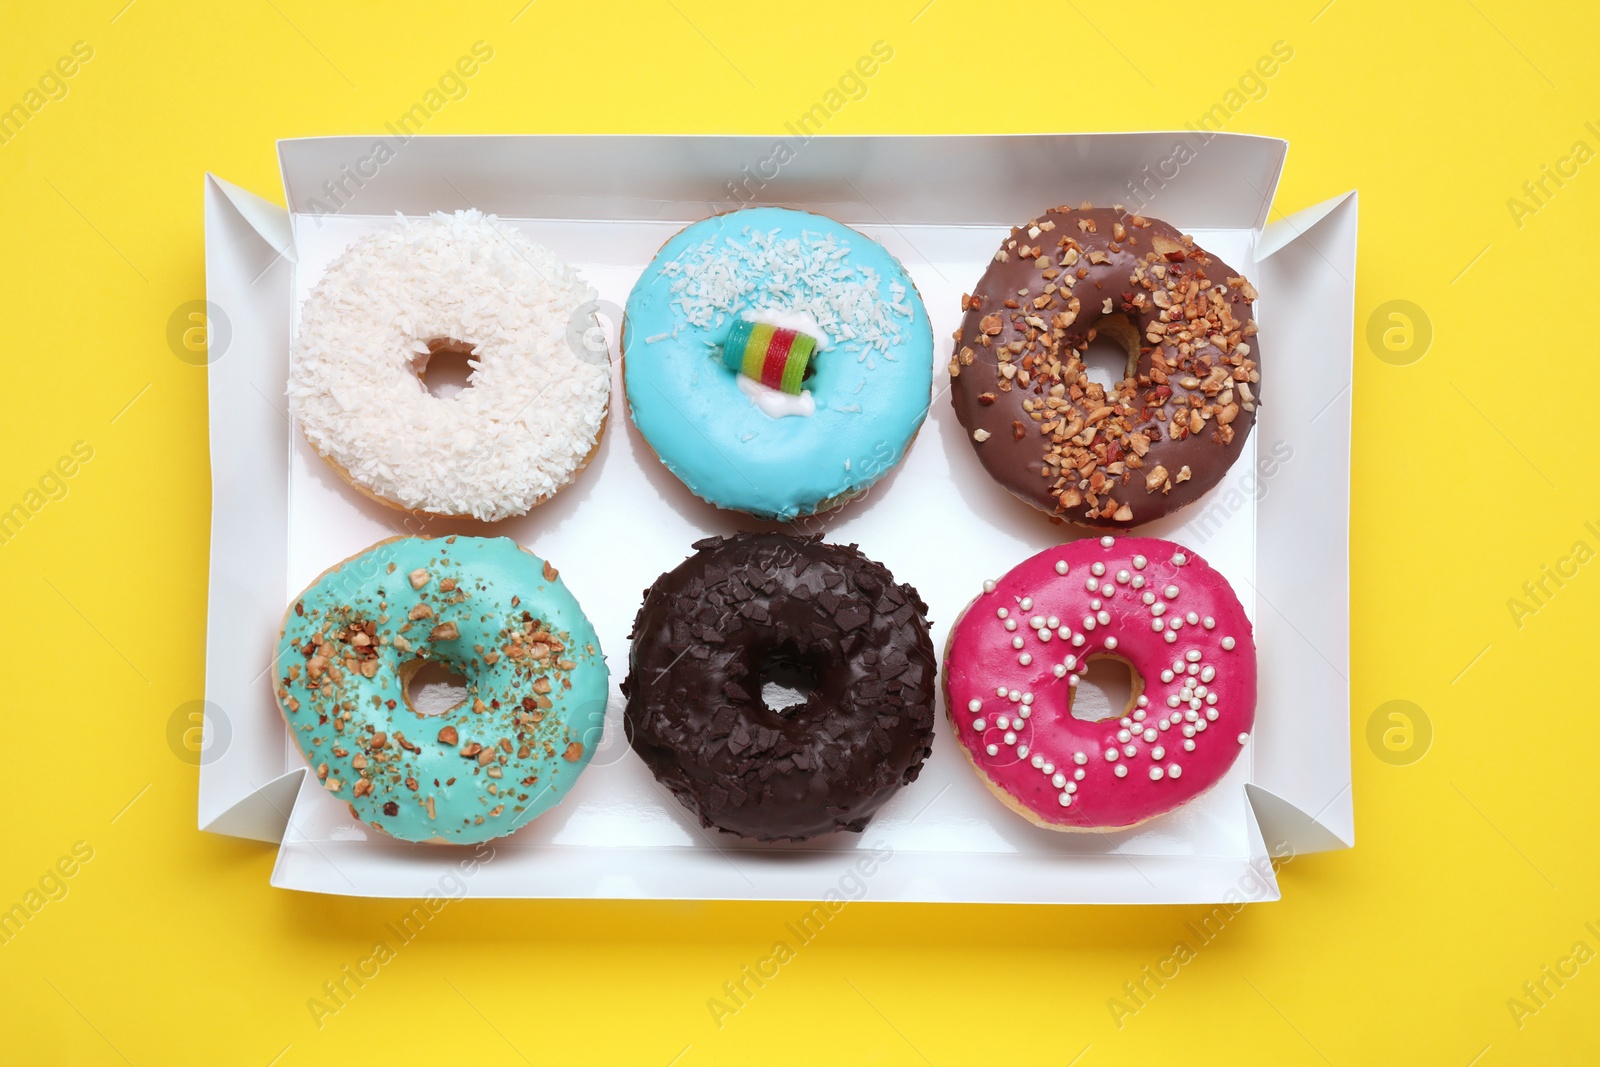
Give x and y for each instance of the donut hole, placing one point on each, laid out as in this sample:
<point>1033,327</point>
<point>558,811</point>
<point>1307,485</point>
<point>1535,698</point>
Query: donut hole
<point>445,369</point>
<point>1113,353</point>
<point>787,681</point>
<point>1108,689</point>
<point>431,688</point>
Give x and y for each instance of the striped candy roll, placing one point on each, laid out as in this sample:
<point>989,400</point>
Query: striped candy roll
<point>774,356</point>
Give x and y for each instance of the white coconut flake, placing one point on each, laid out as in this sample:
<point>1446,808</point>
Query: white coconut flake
<point>534,406</point>
<point>806,275</point>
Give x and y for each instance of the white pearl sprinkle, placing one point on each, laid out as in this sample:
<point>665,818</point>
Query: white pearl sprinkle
<point>1158,610</point>
<point>1121,771</point>
<point>1158,753</point>
<point>1193,655</point>
<point>1052,622</point>
<point>1016,642</point>
<point>1066,800</point>
<point>1208,622</point>
<point>1138,716</point>
<point>1036,622</point>
<point>1179,559</point>
<point>1025,659</point>
<point>1049,768</point>
<point>1092,584</point>
<point>1164,725</point>
<point>1130,750</point>
<point>993,750</point>
<point>1003,721</point>
<point>1001,692</point>
<point>1123,577</point>
<point>1111,644</point>
<point>1207,673</point>
<point>1044,635</point>
<point>1175,624</point>
<point>1167,676</point>
<point>1059,671</point>
<point>1038,761</point>
<point>1243,738</point>
<point>1058,780</point>
<point>1011,624</point>
<point>1002,612</point>
<point>988,585</point>
<point>1188,731</point>
<point>1010,738</point>
<point>1211,714</point>
<point>1227,644</point>
<point>1061,566</point>
<point>1022,751</point>
<point>1138,581</point>
<point>1173,770</point>
<point>1070,662</point>
<point>1188,746</point>
<point>1088,622</point>
<point>974,705</point>
<point>1211,698</point>
<point>1200,726</point>
<point>1170,592</point>
<point>1155,774</point>
<point>1171,637</point>
<point>1123,735</point>
<point>1157,625</point>
<point>1027,698</point>
<point>1139,563</point>
<point>1150,735</point>
<point>1107,541</point>
<point>1192,619</point>
<point>1079,758</point>
<point>1023,712</point>
<point>1107,589</point>
<point>1026,604</point>
<point>1104,617</point>
<point>1097,568</point>
<point>980,725</point>
<point>1150,598</point>
<point>1111,755</point>
<point>1013,695</point>
<point>1078,774</point>
<point>1063,632</point>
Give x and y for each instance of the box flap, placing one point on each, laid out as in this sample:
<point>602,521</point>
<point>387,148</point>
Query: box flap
<point>247,290</point>
<point>1302,738</point>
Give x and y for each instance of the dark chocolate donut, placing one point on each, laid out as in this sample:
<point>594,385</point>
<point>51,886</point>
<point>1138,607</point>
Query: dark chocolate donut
<point>753,608</point>
<point>1162,436</point>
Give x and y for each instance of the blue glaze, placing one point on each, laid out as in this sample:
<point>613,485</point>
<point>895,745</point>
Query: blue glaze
<point>536,686</point>
<point>689,408</point>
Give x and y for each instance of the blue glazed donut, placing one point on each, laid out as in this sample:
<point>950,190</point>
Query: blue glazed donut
<point>743,446</point>
<point>483,607</point>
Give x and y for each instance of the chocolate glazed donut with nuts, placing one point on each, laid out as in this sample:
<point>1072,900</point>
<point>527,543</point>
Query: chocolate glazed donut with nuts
<point>1161,437</point>
<point>757,608</point>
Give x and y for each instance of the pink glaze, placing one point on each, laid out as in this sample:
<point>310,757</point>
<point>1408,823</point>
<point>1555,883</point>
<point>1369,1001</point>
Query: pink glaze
<point>1112,619</point>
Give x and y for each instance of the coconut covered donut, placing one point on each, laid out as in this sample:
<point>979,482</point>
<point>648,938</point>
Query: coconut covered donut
<point>534,408</point>
<point>482,607</point>
<point>1159,438</point>
<point>1015,656</point>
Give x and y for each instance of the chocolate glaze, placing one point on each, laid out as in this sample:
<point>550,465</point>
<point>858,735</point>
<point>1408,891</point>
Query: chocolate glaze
<point>1100,254</point>
<point>743,605</point>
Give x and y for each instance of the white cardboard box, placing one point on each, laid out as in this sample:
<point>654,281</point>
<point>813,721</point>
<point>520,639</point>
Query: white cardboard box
<point>941,204</point>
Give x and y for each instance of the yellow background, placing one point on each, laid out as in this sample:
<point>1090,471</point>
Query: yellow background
<point>1475,865</point>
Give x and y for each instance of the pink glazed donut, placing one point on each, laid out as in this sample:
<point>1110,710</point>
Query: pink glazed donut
<point>1014,658</point>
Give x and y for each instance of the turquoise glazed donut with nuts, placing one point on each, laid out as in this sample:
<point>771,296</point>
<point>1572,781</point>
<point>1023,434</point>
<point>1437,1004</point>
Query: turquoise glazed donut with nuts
<point>482,607</point>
